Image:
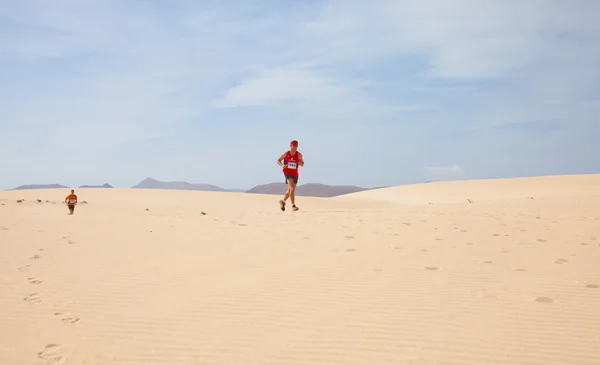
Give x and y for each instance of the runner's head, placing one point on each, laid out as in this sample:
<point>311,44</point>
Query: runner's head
<point>72,191</point>
<point>293,145</point>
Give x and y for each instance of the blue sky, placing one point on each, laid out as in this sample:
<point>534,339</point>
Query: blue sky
<point>377,93</point>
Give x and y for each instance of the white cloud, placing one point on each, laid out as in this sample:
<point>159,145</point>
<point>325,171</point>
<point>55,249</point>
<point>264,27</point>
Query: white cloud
<point>283,85</point>
<point>545,49</point>
<point>302,89</point>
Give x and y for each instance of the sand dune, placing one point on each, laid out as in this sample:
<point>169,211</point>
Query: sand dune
<point>486,190</point>
<point>142,276</point>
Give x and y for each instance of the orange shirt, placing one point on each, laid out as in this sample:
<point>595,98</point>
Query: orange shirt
<point>72,198</point>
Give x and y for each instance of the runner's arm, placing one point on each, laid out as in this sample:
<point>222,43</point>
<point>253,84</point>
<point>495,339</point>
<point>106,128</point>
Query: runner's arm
<point>300,159</point>
<point>281,158</point>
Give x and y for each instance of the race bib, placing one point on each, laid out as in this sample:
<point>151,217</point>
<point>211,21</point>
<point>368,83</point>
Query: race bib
<point>292,165</point>
<point>72,201</point>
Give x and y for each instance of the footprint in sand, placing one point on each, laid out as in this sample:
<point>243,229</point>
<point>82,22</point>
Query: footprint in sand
<point>407,224</point>
<point>544,300</point>
<point>36,257</point>
<point>584,244</point>
<point>592,286</point>
<point>561,261</point>
<point>33,298</point>
<point>348,237</point>
<point>24,267</point>
<point>521,270</point>
<point>431,268</point>
<point>53,354</point>
<point>541,240</point>
<point>69,240</point>
<point>350,250</point>
<point>488,262</point>
<point>469,243</point>
<point>496,234</point>
<point>34,281</point>
<point>69,319</point>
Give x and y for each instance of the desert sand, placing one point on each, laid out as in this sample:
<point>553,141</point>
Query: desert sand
<point>469,272</point>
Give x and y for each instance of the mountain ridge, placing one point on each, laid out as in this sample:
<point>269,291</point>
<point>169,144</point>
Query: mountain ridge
<point>106,185</point>
<point>274,188</point>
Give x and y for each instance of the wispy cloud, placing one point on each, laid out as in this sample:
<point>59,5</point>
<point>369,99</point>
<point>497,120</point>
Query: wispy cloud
<point>388,78</point>
<point>275,86</point>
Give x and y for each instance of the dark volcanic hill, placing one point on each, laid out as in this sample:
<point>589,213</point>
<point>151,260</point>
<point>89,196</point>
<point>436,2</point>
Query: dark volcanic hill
<point>316,190</point>
<point>40,186</point>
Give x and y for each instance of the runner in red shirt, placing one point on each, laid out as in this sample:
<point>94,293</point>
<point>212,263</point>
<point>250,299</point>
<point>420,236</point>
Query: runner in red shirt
<point>290,161</point>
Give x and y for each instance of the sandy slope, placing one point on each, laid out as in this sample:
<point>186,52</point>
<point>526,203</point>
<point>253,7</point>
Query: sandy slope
<point>485,190</point>
<point>509,280</point>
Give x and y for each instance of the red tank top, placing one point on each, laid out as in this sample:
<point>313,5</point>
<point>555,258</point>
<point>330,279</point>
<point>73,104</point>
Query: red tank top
<point>292,164</point>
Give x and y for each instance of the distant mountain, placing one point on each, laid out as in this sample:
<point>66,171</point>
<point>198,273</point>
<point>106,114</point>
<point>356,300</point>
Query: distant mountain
<point>150,183</point>
<point>316,190</point>
<point>96,186</point>
<point>272,188</point>
<point>40,186</point>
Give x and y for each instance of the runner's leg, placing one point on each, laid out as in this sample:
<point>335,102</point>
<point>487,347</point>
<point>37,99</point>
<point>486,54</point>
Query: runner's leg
<point>286,196</point>
<point>292,190</point>
<point>289,181</point>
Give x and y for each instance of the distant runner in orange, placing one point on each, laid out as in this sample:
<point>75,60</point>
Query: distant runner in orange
<point>71,201</point>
